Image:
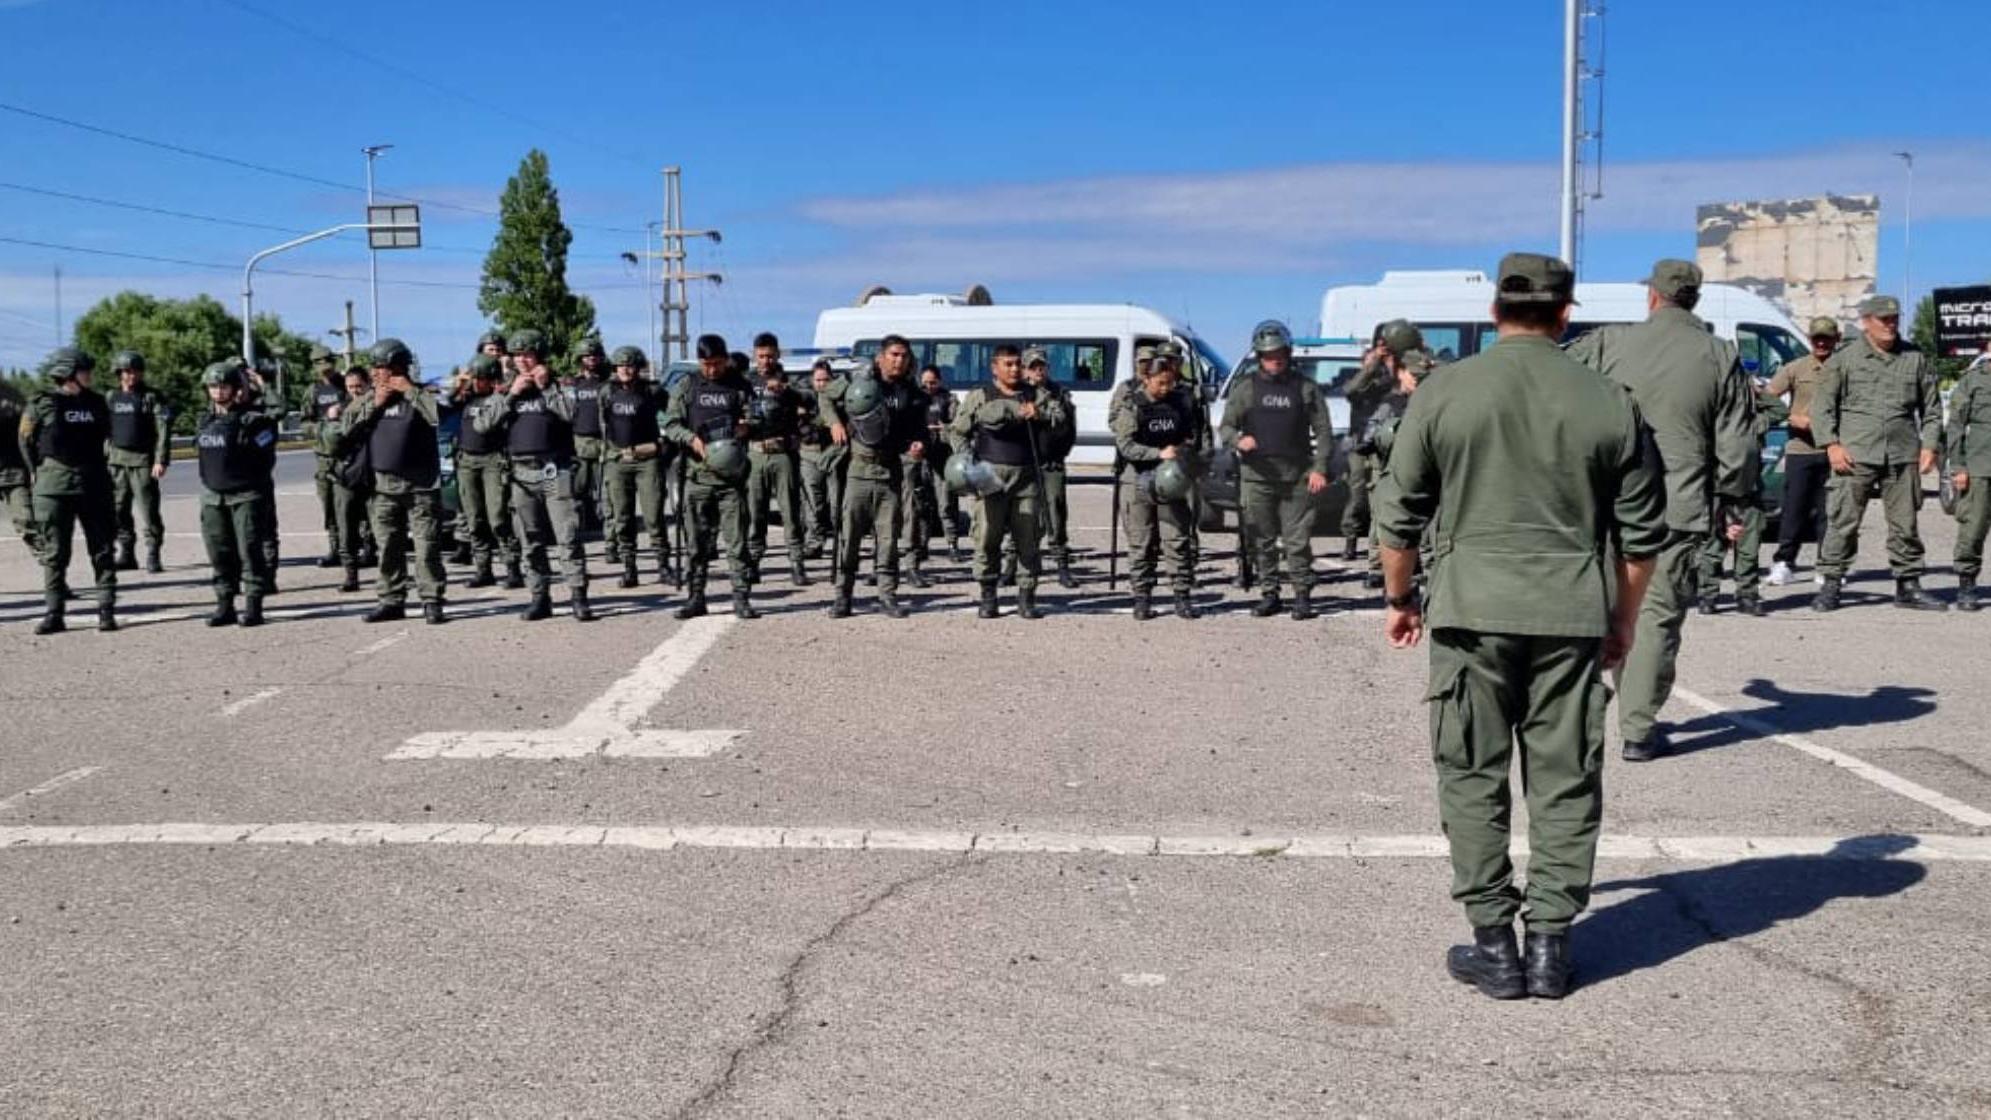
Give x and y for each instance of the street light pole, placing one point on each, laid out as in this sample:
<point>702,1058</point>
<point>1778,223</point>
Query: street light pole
<point>1908,239</point>
<point>372,255</point>
<point>1571,12</point>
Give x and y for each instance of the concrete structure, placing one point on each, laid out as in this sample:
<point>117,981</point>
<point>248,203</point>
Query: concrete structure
<point>1814,256</point>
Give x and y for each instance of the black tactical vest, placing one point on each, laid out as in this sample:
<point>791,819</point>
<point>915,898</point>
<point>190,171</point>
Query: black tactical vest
<point>1277,419</point>
<point>538,432</point>
<point>469,440</point>
<point>1059,441</point>
<point>75,434</point>
<point>715,408</point>
<point>1163,423</point>
<point>403,444</point>
<point>133,427</point>
<point>1008,443</point>
<point>235,456</point>
<point>326,396</point>
<point>629,416</point>
<point>781,414</point>
<point>588,392</point>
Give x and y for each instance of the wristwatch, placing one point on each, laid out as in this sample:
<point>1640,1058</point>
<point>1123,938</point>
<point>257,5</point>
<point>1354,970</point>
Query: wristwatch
<point>1403,602</point>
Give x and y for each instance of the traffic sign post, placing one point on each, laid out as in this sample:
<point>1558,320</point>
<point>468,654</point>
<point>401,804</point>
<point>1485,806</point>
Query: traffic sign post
<point>387,227</point>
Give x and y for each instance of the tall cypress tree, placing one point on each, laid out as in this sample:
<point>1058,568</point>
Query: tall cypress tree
<point>525,274</point>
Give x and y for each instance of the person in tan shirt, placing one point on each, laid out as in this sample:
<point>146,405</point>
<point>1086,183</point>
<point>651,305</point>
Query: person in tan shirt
<point>1805,469</point>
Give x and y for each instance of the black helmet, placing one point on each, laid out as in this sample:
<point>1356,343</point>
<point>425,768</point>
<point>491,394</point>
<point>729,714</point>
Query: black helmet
<point>590,346</point>
<point>1270,336</point>
<point>65,362</point>
<point>630,356</point>
<point>392,353</point>
<point>129,359</point>
<point>222,373</point>
<point>711,346</point>
<point>727,458</point>
<point>492,337</point>
<point>526,341</point>
<point>1400,336</point>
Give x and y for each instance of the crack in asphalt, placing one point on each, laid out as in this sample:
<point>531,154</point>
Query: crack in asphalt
<point>788,985</point>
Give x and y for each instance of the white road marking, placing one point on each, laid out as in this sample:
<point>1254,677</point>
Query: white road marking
<point>376,647</point>
<point>1885,779</point>
<point>68,778</point>
<point>1923,848</point>
<point>608,725</point>
<point>249,701</point>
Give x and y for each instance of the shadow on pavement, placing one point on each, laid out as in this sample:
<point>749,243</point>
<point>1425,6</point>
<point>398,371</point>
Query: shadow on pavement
<point>1797,713</point>
<point>1685,910</point>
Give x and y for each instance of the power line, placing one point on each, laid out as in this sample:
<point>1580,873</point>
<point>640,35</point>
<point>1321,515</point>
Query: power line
<point>265,169</point>
<point>143,209</point>
<point>225,267</point>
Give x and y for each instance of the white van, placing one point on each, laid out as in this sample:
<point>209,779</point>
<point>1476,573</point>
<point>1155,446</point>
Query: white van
<point>1451,308</point>
<point>1091,346</point>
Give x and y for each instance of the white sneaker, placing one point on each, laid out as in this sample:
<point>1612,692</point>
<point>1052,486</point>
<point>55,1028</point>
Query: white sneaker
<point>1780,574</point>
<point>1817,576</point>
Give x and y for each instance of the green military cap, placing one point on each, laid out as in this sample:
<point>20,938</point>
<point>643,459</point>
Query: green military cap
<point>222,373</point>
<point>1143,353</point>
<point>1035,356</point>
<point>630,356</point>
<point>1400,336</point>
<point>1534,278</point>
<point>321,355</point>
<point>484,367</point>
<point>1880,307</point>
<point>1166,352</point>
<point>1674,278</point>
<point>1825,326</point>
<point>1269,336</point>
<point>65,362</point>
<point>392,353</point>
<point>526,342</point>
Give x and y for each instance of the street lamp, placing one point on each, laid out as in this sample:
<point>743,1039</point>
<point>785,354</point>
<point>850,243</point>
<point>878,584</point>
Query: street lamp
<point>372,258</point>
<point>1908,239</point>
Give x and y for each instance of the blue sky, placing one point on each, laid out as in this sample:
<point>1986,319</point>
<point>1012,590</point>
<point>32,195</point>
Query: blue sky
<point>1221,163</point>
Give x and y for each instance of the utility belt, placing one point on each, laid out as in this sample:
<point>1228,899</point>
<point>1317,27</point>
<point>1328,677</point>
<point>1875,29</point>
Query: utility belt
<point>780,445</point>
<point>543,467</point>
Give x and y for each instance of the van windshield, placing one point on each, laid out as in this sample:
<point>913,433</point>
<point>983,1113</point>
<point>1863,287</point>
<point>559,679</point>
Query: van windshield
<point>1077,364</point>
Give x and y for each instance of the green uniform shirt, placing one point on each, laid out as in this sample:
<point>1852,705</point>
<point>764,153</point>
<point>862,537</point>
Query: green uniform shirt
<point>1243,397</point>
<point>1521,467</point>
<point>986,406</point>
<point>1799,379</point>
<point>1884,407</point>
<point>1693,394</point>
<point>1970,409</point>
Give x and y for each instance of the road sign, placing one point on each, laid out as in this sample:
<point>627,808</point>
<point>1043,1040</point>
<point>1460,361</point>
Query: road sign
<point>394,226</point>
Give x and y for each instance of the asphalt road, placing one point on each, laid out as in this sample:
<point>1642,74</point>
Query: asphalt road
<point>941,867</point>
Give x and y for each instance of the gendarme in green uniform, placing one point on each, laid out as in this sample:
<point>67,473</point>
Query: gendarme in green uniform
<point>236,449</point>
<point>536,417</point>
<point>1284,418</point>
<point>1699,405</point>
<point>396,424</point>
<point>882,424</point>
<point>1158,424</point>
<point>1001,427</point>
<point>484,481</point>
<point>1771,413</point>
<point>708,418</point>
<point>64,434</point>
<point>1518,469</point>
<point>16,479</point>
<point>141,450</point>
<point>633,476</point>
<point>1967,439</point>
<point>322,404</point>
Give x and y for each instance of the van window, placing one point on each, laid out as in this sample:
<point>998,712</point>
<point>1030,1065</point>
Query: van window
<point>1766,348</point>
<point>1077,364</point>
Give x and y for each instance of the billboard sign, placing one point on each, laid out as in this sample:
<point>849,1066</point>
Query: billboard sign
<point>1963,320</point>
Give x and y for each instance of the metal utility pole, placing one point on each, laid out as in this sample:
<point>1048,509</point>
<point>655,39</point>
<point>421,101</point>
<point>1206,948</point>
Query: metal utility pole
<point>676,339</point>
<point>350,334</point>
<point>1571,125</point>
<point>1908,240</point>
<point>372,258</point>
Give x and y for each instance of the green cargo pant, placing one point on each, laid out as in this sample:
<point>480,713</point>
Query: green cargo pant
<point>135,503</point>
<point>871,508</point>
<point>589,454</point>
<point>1487,692</point>
<point>408,521</point>
<point>1362,472</point>
<point>822,491</point>
<point>774,486</point>
<point>1646,678</point>
<point>231,527</point>
<point>325,477</point>
<point>1748,556</point>
<point>635,489</point>
<point>924,513</point>
<point>718,513</point>
<point>1011,517</point>
<point>1054,521</point>
<point>20,504</point>
<point>1846,505</point>
<point>484,495</point>
<point>1973,518</point>
<point>1156,529</point>
<point>57,517</point>
<point>546,516</point>
<point>1278,519</point>
<point>350,528</point>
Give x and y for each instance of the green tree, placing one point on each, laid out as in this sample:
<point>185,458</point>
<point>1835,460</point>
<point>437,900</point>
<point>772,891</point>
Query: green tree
<point>180,338</point>
<point>525,274</point>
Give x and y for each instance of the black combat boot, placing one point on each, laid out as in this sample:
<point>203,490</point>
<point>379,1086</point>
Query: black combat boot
<point>107,616</point>
<point>628,570</point>
<point>612,552</point>
<point>1065,577</point>
<point>351,582</point>
<point>1828,595</point>
<point>753,570</point>
<point>917,577</point>
<point>988,607</point>
<point>386,612</point>
<point>1909,596</point>
<point>224,611</point>
<point>1185,606</point>
<point>953,550</point>
<point>127,559</point>
<point>1373,581</point>
<point>668,572</point>
<point>1643,750</point>
<point>1750,605</point>
<point>1268,605</point>
<point>482,577</point>
<point>743,604</point>
<point>1303,604</point>
<point>152,563</point>
<point>1708,605</point>
<point>798,570</point>
<point>1009,570</point>
<point>369,555</point>
<point>889,605</point>
<point>460,555</point>
<point>1547,964</point>
<point>1966,594</point>
<point>252,610</point>
<point>1492,963</point>
<point>1026,604</point>
<point>540,607</point>
<point>51,619</point>
<point>514,577</point>
<point>577,601</point>
<point>1144,607</point>
<point>693,605</point>
<point>330,559</point>
<point>1350,549</point>
<point>841,607</point>
<point>432,613</point>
